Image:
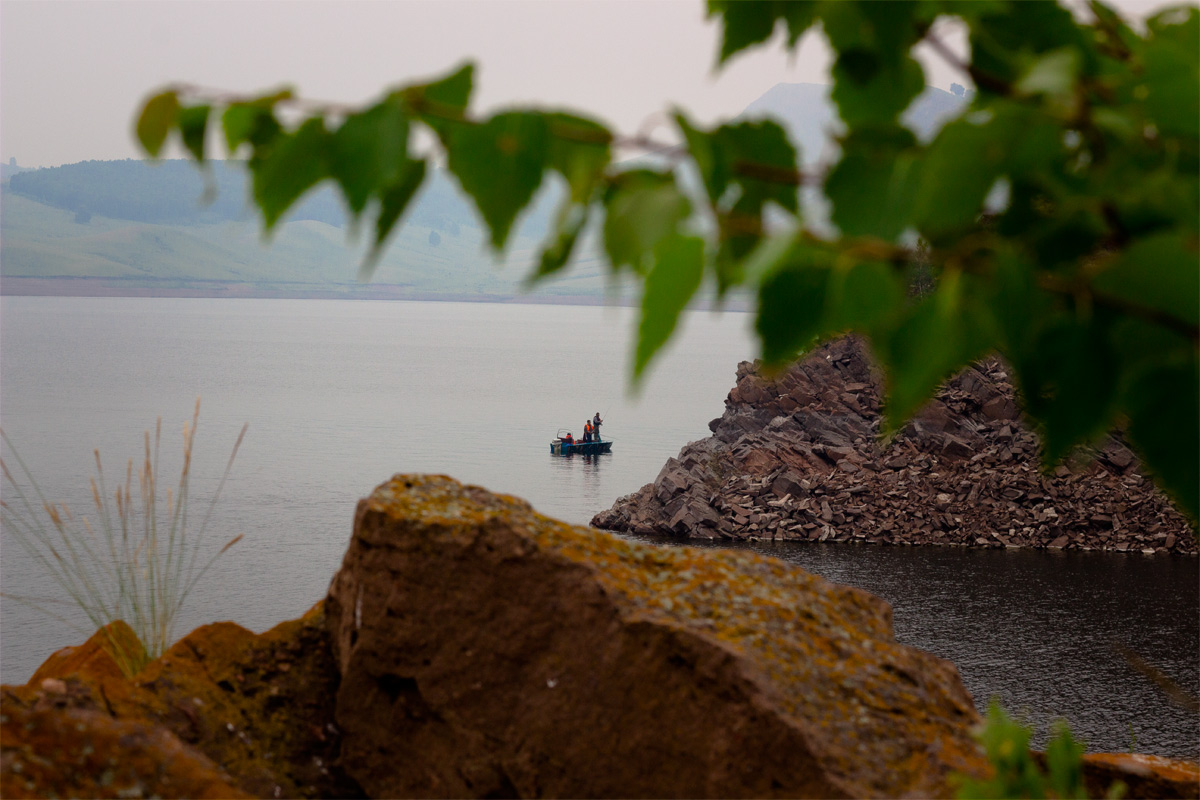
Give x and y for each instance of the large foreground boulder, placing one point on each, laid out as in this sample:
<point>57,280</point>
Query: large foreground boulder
<point>488,651</point>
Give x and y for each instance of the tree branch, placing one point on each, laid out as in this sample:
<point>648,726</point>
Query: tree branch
<point>980,78</point>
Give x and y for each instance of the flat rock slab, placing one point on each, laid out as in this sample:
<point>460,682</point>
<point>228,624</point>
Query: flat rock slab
<point>488,651</point>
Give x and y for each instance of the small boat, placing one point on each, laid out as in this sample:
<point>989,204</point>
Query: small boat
<point>561,447</point>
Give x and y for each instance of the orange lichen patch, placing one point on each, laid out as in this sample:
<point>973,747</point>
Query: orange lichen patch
<point>94,658</point>
<point>1143,775</point>
<point>824,654</point>
<point>259,705</point>
<point>76,752</point>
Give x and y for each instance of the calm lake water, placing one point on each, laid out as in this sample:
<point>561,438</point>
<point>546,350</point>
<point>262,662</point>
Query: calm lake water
<point>340,395</point>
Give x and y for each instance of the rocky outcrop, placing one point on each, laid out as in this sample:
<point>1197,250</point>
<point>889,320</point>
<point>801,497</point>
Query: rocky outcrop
<point>486,650</point>
<point>52,749</point>
<point>1144,776</point>
<point>798,456</point>
<point>224,713</point>
<point>471,647</point>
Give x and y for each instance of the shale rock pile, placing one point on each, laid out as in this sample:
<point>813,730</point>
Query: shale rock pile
<point>798,456</point>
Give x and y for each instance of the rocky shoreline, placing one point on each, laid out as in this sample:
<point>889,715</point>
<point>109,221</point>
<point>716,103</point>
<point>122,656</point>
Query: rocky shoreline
<point>797,456</point>
<point>471,647</point>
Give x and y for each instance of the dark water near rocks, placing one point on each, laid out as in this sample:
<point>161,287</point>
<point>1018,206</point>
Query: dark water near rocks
<point>339,395</point>
<point>1042,631</point>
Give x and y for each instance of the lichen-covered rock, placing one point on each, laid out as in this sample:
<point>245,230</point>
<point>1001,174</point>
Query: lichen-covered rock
<point>486,650</point>
<point>93,658</point>
<point>260,706</point>
<point>1144,776</point>
<point>59,751</point>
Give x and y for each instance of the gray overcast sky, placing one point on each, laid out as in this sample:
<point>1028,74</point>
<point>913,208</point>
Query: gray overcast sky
<point>72,73</point>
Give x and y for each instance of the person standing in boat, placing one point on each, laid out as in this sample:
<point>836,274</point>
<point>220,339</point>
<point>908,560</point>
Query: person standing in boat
<point>587,431</point>
<point>596,423</point>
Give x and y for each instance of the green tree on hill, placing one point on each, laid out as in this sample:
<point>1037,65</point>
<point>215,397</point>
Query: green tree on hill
<point>1084,275</point>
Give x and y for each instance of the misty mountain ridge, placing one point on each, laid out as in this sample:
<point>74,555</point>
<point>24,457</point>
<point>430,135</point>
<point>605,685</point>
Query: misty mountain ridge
<point>144,223</point>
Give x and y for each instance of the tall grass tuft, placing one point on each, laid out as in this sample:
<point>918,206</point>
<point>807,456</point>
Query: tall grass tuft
<point>137,563</point>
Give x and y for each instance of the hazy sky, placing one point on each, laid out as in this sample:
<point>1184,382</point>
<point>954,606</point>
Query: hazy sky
<point>73,73</point>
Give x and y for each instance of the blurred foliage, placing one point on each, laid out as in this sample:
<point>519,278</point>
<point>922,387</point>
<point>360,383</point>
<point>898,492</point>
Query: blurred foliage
<point>1060,212</point>
<point>1017,773</point>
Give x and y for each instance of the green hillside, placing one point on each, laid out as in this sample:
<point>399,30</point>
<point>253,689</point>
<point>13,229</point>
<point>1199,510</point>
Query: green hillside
<point>39,241</point>
<point>136,227</point>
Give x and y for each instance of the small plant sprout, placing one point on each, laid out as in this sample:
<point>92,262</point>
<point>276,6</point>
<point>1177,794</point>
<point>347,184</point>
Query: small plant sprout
<point>137,563</point>
<point>1016,772</point>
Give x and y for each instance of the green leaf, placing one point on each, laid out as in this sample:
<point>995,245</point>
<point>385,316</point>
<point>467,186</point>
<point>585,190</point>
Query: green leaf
<point>442,102</point>
<point>1003,38</point>
<point>1172,78</point>
<point>295,163</point>
<point>961,166</point>
<point>580,151</point>
<point>874,76</point>
<point>500,165</point>
<point>1158,273</point>
<point>755,158</point>
<point>931,341</point>
<point>642,207</point>
<point>253,121</point>
<point>869,92</point>
<point>156,121</point>
<point>1014,772</point>
<point>249,123</point>
<point>572,218</point>
<point>748,22</point>
<point>393,200</point>
<point>193,125</point>
<point>1017,305</point>
<point>1069,380</point>
<point>453,91</point>
<point>744,165</point>
<point>238,121</point>
<point>863,296</point>
<point>873,185</point>
<point>968,156</point>
<point>791,303</point>
<point>369,151</point>
<point>1064,762</point>
<point>1054,72</point>
<point>674,278</point>
<point>808,294</point>
<point>1165,428</point>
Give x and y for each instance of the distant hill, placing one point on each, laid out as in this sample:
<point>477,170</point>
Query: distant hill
<point>135,227</point>
<point>177,192</point>
<point>7,170</point>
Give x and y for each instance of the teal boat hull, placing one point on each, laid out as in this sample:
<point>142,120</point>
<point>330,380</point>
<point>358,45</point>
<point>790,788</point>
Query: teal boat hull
<point>559,448</point>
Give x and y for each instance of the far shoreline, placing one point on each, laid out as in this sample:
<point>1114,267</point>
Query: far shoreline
<point>214,289</point>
